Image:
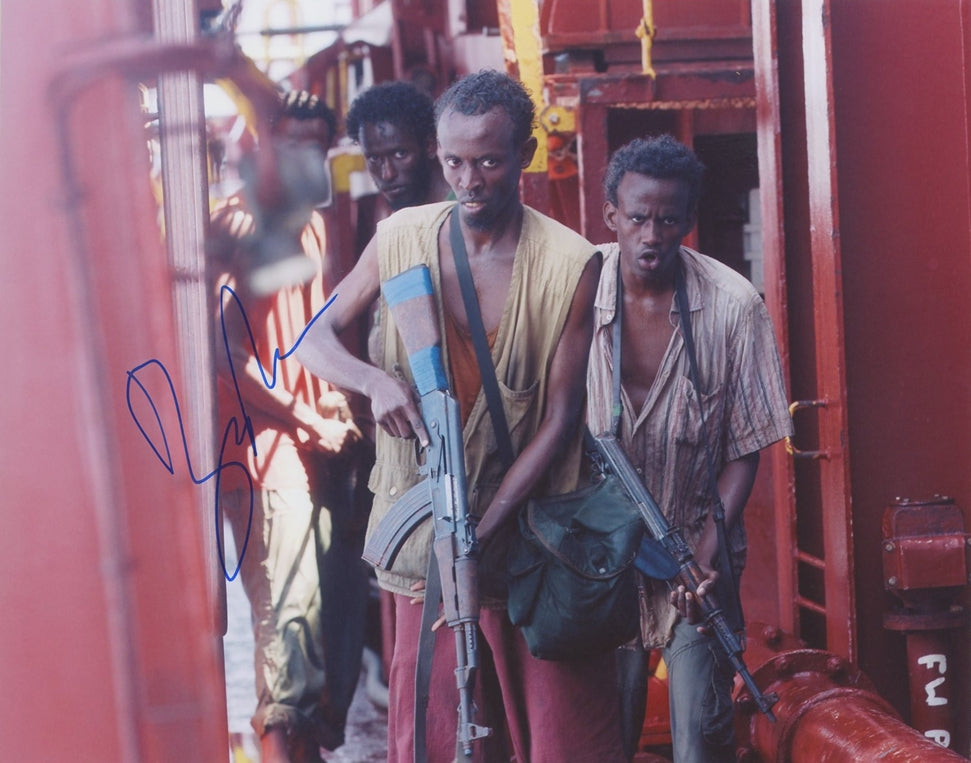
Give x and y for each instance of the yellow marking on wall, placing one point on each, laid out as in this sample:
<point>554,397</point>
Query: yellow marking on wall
<point>341,167</point>
<point>525,24</point>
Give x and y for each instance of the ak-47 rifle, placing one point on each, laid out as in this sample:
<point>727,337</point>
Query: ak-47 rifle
<point>689,574</point>
<point>442,494</point>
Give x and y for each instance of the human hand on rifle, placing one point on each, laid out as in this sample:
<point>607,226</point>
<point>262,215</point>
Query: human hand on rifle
<point>688,603</point>
<point>395,407</point>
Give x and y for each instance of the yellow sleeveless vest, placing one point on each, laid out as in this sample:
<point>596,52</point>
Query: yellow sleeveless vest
<point>548,263</point>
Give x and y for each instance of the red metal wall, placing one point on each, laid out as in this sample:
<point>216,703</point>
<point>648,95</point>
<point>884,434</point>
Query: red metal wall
<point>901,86</point>
<point>108,647</point>
<point>896,131</point>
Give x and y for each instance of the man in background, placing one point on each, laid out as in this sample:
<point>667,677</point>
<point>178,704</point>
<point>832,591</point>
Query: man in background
<point>290,507</point>
<point>394,124</point>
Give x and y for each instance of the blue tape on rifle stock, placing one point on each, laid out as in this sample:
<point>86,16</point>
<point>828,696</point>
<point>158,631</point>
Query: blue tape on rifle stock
<point>428,370</point>
<point>413,282</point>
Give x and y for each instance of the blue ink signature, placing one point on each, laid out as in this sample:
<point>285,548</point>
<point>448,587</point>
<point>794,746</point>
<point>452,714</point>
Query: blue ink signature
<point>236,431</point>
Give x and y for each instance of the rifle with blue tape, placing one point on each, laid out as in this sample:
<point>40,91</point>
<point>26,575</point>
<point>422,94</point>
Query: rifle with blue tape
<point>442,494</point>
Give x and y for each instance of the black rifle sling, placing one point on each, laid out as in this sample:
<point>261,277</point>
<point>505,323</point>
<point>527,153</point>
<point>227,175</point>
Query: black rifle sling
<point>490,386</point>
<point>616,407</point>
<point>423,665</point>
<point>731,603</point>
<point>487,371</point>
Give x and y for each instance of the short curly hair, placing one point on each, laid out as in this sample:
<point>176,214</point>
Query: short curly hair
<point>482,91</point>
<point>398,103</point>
<point>303,105</point>
<point>663,158</point>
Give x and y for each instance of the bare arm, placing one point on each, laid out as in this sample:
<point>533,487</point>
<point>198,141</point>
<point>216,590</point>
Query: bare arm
<point>564,404</point>
<point>307,425</point>
<point>393,402</point>
<point>734,488</point>
<point>303,422</point>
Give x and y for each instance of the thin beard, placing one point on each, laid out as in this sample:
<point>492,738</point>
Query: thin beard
<point>479,224</point>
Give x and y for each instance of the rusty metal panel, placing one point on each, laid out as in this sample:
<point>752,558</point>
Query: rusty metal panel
<point>823,573</point>
<point>926,561</point>
<point>886,92</point>
<point>690,86</point>
<point>923,547</point>
<point>834,471</point>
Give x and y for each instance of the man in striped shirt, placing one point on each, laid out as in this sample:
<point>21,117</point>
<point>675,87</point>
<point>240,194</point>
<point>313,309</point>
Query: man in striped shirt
<point>651,190</point>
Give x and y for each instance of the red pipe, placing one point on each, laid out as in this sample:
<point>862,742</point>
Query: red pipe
<point>931,679</point>
<point>827,711</point>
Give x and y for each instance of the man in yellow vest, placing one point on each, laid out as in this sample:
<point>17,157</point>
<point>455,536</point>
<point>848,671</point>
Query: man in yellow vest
<point>535,280</point>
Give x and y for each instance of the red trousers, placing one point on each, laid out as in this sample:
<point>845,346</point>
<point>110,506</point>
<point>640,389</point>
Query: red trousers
<point>540,711</point>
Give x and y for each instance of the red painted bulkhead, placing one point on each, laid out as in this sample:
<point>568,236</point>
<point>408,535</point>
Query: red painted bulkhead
<point>902,125</point>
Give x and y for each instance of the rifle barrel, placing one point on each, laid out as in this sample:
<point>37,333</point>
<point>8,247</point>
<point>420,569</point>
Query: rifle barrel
<point>690,574</point>
<point>411,302</point>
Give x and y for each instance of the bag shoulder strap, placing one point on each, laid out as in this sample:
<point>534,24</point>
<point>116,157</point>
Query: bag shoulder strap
<point>616,407</point>
<point>490,385</point>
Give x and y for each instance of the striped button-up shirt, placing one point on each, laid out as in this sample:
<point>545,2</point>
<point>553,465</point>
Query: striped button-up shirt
<point>743,396</point>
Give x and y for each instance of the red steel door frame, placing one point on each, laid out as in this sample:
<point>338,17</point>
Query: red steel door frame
<point>830,557</point>
<point>768,133</point>
<point>834,468</point>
